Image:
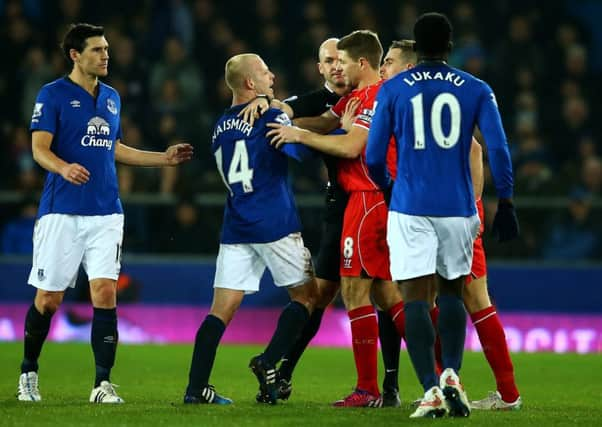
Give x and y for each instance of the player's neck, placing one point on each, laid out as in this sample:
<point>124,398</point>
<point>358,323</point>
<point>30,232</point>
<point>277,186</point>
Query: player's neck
<point>243,97</point>
<point>368,78</point>
<point>432,59</point>
<point>339,90</point>
<point>88,82</point>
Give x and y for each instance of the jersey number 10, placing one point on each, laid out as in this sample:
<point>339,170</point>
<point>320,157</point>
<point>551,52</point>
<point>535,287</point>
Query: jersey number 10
<point>442,140</point>
<point>239,170</point>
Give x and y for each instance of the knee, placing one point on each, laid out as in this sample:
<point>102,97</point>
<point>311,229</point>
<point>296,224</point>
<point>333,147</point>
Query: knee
<point>104,293</point>
<point>355,295</point>
<point>453,287</point>
<point>327,291</point>
<point>386,295</point>
<point>476,296</point>
<point>308,295</point>
<point>225,310</point>
<point>47,303</point>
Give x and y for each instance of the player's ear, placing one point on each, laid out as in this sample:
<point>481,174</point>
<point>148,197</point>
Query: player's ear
<point>249,83</point>
<point>73,54</point>
<point>450,45</point>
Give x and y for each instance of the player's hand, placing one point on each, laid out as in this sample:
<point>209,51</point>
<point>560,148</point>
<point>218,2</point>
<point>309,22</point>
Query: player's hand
<point>349,114</point>
<point>505,223</point>
<point>178,153</point>
<point>281,134</point>
<point>75,173</point>
<point>254,109</point>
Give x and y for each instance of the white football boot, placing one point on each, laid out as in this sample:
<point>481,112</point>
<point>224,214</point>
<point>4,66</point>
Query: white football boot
<point>494,402</point>
<point>105,393</point>
<point>28,387</point>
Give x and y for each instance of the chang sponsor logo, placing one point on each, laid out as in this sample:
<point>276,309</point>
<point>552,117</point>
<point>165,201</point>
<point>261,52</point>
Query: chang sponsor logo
<point>96,130</point>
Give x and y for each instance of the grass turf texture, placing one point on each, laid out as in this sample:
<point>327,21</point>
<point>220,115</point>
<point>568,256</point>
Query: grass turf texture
<point>558,390</point>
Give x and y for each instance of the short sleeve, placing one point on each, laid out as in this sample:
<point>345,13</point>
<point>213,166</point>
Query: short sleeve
<point>365,111</point>
<point>45,112</point>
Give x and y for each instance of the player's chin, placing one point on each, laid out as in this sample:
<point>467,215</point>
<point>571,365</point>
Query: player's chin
<point>339,80</point>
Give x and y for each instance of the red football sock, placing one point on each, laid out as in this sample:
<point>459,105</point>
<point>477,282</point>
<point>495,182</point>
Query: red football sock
<point>493,340</point>
<point>399,318</point>
<point>364,333</point>
<point>438,360</point>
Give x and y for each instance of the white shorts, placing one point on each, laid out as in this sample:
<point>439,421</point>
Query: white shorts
<point>422,245</point>
<point>62,242</point>
<point>240,266</point>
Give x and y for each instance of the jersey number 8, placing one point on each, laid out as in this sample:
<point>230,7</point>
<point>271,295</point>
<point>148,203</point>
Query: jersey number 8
<point>442,140</point>
<point>239,170</point>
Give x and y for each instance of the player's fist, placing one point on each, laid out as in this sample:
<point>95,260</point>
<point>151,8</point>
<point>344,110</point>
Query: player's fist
<point>178,153</point>
<point>75,174</point>
<point>505,223</point>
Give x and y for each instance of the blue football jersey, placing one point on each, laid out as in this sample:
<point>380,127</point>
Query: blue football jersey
<point>260,207</point>
<point>85,130</point>
<point>432,110</point>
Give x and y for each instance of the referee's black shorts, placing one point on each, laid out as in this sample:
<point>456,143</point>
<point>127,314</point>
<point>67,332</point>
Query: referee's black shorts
<point>328,260</point>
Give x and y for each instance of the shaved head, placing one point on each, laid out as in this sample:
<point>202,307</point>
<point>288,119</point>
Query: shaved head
<point>327,48</point>
<point>248,76</point>
<point>240,67</point>
<point>328,57</point>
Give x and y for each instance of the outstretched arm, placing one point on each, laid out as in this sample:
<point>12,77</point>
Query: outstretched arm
<point>324,123</point>
<point>348,146</point>
<point>174,155</point>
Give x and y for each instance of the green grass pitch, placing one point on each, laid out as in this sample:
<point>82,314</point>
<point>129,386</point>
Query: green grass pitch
<point>558,390</point>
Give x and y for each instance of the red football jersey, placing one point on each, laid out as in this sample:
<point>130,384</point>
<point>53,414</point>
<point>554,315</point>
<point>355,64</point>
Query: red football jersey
<point>353,173</point>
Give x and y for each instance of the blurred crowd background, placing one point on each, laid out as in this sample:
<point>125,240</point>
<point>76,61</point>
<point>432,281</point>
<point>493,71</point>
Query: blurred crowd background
<point>543,59</point>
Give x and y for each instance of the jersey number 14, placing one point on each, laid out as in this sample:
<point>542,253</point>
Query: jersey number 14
<point>445,99</point>
<point>239,170</point>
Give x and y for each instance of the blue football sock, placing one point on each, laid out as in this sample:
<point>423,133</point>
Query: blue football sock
<point>390,345</point>
<point>207,339</point>
<point>452,330</point>
<point>420,340</point>
<point>36,330</point>
<point>290,324</point>
<point>104,342</point>
<point>309,331</point>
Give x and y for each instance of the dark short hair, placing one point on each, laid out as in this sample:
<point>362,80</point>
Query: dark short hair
<point>362,44</point>
<point>433,34</point>
<point>76,38</point>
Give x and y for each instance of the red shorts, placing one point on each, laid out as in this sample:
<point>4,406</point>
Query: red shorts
<point>364,240</point>
<point>479,263</point>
